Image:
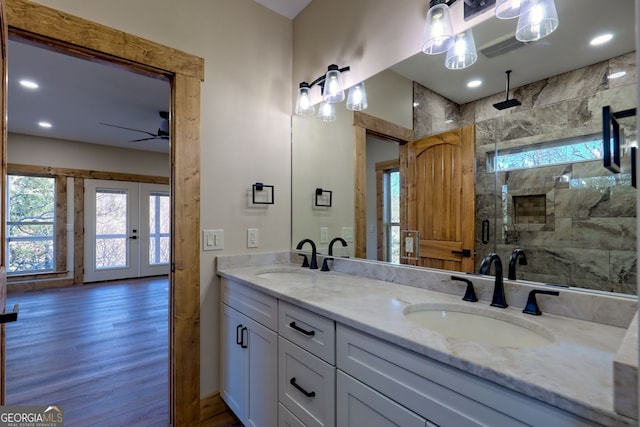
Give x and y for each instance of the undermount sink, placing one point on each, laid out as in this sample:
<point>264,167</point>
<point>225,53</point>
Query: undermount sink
<point>479,324</point>
<point>285,274</point>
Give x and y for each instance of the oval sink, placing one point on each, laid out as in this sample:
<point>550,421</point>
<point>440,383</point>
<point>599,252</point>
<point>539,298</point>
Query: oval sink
<point>479,324</point>
<point>284,274</point>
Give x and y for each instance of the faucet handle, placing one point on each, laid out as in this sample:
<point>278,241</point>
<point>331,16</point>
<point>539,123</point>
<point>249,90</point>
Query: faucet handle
<point>305,261</point>
<point>532,303</point>
<point>470,293</point>
<point>325,265</point>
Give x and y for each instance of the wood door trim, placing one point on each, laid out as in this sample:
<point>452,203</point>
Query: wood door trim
<point>96,42</point>
<point>367,124</point>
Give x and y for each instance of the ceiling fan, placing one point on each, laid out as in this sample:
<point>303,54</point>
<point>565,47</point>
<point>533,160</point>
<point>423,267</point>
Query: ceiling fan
<point>162,133</point>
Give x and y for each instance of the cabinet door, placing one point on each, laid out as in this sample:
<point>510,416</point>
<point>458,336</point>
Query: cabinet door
<point>233,373</point>
<point>358,405</point>
<point>262,350</point>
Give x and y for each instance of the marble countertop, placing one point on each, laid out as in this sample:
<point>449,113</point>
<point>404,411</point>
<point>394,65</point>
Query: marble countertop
<point>573,373</point>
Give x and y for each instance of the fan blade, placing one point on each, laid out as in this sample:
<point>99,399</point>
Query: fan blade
<point>135,130</point>
<point>144,139</point>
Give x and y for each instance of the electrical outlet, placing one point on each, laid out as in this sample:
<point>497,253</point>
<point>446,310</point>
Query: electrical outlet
<point>252,238</point>
<point>324,234</point>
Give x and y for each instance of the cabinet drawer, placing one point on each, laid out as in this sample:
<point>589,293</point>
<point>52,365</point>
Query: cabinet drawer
<point>309,330</point>
<point>306,385</point>
<point>258,306</point>
<point>358,405</point>
<point>440,393</point>
<point>286,418</point>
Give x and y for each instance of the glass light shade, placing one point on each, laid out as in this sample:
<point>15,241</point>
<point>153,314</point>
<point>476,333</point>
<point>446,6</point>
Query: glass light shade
<point>333,88</point>
<point>303,103</point>
<point>357,99</point>
<point>538,19</point>
<point>507,9</point>
<point>463,53</point>
<point>438,31</point>
<point>327,112</point>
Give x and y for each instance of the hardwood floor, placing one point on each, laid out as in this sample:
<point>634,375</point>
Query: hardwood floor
<point>99,351</point>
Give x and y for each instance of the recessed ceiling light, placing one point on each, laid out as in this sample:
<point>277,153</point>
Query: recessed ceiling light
<point>601,39</point>
<point>44,124</point>
<point>474,83</point>
<point>617,75</point>
<point>29,84</point>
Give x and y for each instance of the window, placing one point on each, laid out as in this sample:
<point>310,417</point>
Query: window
<point>111,228</point>
<point>391,217</point>
<point>31,224</point>
<point>572,150</point>
<point>159,228</point>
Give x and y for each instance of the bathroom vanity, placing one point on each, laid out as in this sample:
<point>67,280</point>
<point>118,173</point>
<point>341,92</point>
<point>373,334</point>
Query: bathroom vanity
<point>375,344</point>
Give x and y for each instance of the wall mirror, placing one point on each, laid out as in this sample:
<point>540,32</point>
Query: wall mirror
<point>540,183</point>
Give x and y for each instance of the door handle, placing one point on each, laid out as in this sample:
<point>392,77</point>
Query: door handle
<point>10,317</point>
<point>242,331</point>
<point>238,334</point>
<point>485,231</point>
<point>133,237</point>
<point>463,253</point>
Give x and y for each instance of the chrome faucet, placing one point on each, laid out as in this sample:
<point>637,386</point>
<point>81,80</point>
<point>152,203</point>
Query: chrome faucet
<point>314,259</point>
<point>336,239</point>
<point>499,299</point>
<point>515,255</point>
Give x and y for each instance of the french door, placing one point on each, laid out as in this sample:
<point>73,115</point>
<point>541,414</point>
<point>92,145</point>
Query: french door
<point>126,230</point>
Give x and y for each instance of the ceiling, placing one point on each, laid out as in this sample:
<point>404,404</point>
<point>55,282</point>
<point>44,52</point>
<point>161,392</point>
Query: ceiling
<point>76,95</point>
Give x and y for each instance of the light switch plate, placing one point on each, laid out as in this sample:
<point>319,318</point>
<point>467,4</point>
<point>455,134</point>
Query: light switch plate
<point>324,234</point>
<point>347,234</point>
<point>252,238</point>
<point>212,240</point>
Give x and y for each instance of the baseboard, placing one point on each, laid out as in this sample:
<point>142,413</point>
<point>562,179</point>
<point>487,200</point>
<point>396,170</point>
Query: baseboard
<point>38,285</point>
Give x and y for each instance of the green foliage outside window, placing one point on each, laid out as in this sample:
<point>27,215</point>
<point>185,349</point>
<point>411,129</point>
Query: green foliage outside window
<point>30,224</point>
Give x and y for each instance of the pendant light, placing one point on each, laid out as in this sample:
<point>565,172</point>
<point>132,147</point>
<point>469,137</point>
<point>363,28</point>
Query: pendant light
<point>333,87</point>
<point>303,104</point>
<point>507,9</point>
<point>538,19</point>
<point>463,53</point>
<point>357,99</point>
<point>438,31</point>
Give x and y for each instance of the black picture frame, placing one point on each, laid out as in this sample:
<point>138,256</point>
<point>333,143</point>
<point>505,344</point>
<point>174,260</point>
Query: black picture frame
<point>610,140</point>
<point>321,198</point>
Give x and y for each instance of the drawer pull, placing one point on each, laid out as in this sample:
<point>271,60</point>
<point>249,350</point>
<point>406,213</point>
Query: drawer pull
<point>293,382</point>
<point>303,331</point>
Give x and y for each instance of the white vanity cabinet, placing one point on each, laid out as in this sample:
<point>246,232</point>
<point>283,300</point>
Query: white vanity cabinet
<point>306,367</point>
<point>443,395</point>
<point>249,356</point>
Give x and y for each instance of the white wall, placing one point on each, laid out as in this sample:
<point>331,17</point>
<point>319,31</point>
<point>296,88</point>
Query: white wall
<point>34,150</point>
<point>245,114</point>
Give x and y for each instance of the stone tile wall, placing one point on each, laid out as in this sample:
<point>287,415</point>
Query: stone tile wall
<point>589,236</point>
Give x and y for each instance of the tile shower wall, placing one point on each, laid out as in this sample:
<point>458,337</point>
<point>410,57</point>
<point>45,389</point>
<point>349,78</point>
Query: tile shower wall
<point>586,235</point>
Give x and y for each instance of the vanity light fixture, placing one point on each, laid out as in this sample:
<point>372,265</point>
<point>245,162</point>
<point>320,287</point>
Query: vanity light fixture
<point>357,99</point>
<point>332,90</point>
<point>507,9</point>
<point>617,75</point>
<point>463,53</point>
<point>538,19</point>
<point>438,30</point>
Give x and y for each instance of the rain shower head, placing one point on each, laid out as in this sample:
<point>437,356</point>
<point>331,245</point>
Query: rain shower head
<point>507,103</point>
